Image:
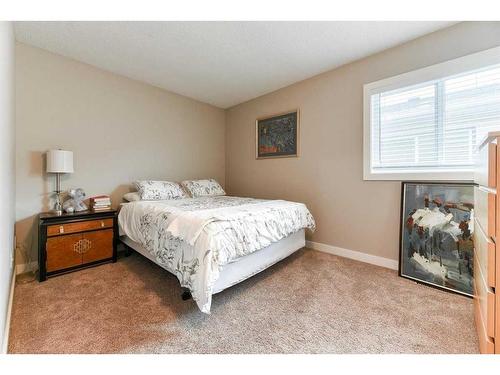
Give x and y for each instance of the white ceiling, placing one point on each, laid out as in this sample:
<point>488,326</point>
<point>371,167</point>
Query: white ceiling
<point>220,63</point>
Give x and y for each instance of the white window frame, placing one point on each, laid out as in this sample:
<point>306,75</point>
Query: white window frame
<point>438,71</point>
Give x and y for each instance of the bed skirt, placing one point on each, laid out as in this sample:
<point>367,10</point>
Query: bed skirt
<point>244,267</point>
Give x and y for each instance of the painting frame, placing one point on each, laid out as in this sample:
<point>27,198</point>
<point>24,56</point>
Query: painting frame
<point>401,272</point>
<point>297,137</point>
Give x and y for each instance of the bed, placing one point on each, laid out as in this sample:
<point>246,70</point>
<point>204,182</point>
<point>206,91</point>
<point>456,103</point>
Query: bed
<point>213,242</point>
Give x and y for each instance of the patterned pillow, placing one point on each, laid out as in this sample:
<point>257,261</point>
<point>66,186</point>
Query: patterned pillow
<point>201,188</point>
<point>159,190</point>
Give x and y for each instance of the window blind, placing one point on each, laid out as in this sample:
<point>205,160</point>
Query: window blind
<point>436,125</point>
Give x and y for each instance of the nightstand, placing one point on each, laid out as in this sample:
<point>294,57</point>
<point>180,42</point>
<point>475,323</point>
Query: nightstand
<point>69,242</point>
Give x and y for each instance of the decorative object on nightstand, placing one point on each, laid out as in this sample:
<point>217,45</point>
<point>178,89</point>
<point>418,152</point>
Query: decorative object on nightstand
<point>69,242</point>
<point>58,162</point>
<point>75,203</point>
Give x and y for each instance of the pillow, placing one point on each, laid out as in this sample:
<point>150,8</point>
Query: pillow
<point>132,196</point>
<point>201,188</point>
<point>159,190</point>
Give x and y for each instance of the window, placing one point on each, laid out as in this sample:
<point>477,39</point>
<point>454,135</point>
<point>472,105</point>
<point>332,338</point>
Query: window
<point>426,124</point>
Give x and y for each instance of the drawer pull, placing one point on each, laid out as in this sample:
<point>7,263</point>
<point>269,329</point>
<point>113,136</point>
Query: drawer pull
<point>102,224</point>
<point>82,246</point>
<point>61,229</point>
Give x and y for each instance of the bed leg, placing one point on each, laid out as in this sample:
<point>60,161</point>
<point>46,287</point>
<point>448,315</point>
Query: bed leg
<point>186,294</point>
<point>128,251</point>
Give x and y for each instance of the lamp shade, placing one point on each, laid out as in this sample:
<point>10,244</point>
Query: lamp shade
<point>59,161</point>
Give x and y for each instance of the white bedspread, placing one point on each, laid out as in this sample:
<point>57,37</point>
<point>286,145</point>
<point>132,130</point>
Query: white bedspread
<point>219,229</point>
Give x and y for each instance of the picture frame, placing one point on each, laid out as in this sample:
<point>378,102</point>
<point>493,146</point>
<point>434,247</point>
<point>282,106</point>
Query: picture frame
<point>436,245</point>
<point>278,135</point>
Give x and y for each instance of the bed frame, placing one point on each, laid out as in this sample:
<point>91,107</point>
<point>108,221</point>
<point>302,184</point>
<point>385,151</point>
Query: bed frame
<point>242,268</point>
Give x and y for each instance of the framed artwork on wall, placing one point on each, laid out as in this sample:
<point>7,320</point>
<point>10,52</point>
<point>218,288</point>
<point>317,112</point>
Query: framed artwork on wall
<point>277,136</point>
<point>436,245</point>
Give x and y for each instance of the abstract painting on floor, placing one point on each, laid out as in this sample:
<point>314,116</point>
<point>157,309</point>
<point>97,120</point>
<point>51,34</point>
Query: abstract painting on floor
<point>277,136</point>
<point>437,223</point>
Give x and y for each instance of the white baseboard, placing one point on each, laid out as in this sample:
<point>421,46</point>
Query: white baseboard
<point>356,255</point>
<point>5,343</point>
<point>26,267</point>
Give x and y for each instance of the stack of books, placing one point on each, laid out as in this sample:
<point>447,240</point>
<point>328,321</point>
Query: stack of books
<point>100,203</point>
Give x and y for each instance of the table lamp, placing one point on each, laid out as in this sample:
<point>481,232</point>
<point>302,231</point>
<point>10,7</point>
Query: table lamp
<point>58,162</point>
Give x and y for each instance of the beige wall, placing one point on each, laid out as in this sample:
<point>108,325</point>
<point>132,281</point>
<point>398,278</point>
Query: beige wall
<point>7,178</point>
<point>328,176</point>
<point>120,130</point>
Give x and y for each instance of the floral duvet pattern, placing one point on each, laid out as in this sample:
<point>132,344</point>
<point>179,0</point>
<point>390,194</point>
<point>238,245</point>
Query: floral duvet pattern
<point>218,229</point>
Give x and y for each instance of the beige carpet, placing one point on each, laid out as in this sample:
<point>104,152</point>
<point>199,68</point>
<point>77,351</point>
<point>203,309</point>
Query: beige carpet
<point>309,303</point>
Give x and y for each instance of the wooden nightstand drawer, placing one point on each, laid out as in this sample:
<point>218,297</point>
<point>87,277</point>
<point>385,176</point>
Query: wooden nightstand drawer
<point>62,252</point>
<point>82,226</point>
<point>100,245</point>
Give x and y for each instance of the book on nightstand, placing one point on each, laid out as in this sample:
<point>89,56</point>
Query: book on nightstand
<point>100,203</point>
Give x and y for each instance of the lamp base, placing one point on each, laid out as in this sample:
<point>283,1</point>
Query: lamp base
<point>58,206</point>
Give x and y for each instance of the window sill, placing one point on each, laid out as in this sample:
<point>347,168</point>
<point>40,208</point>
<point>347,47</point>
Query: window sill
<point>419,176</point>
